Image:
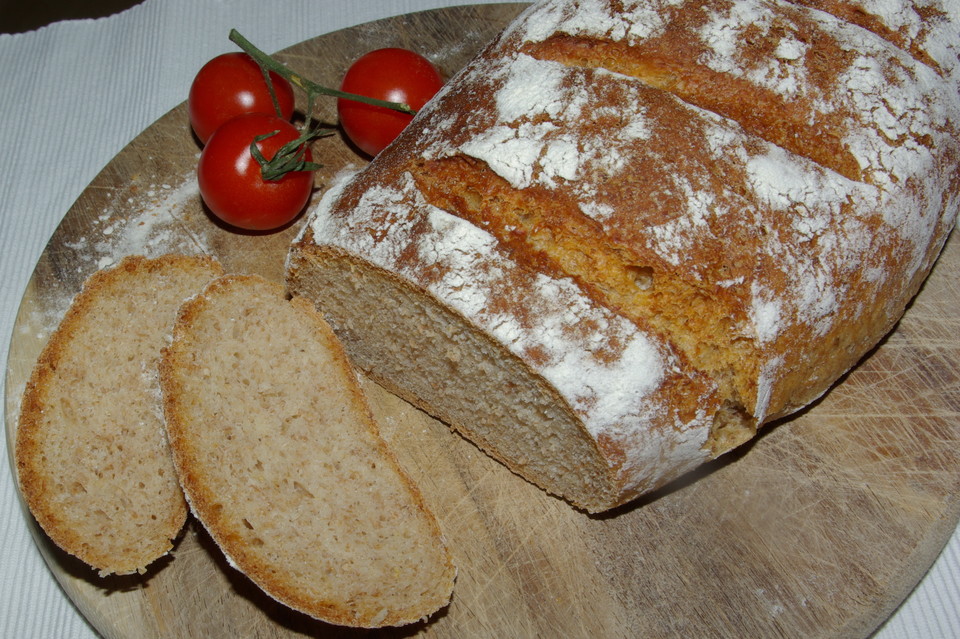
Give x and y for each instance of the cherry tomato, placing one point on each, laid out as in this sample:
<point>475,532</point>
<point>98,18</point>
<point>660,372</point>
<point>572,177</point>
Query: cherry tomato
<point>395,75</point>
<point>230,85</point>
<point>230,180</point>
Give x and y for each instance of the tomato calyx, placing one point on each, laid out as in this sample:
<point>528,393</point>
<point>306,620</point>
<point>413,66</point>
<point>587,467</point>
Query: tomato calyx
<point>290,157</point>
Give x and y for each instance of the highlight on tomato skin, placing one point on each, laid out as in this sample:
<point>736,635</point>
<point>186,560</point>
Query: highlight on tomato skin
<point>392,74</point>
<point>232,84</point>
<point>230,179</point>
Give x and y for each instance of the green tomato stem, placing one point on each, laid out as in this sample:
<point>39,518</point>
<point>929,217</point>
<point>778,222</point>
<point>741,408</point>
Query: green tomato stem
<point>312,89</point>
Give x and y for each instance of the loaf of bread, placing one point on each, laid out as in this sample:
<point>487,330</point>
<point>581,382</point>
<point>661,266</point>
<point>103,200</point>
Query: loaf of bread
<point>91,456</point>
<point>628,234</point>
<point>280,459</point>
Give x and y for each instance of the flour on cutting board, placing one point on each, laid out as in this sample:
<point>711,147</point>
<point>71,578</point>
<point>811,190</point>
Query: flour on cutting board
<point>147,221</point>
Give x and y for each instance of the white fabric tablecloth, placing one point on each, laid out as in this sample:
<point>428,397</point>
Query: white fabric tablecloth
<point>75,93</point>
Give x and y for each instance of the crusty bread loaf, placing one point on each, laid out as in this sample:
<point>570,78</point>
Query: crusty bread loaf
<point>91,456</point>
<point>280,459</point>
<point>624,237</point>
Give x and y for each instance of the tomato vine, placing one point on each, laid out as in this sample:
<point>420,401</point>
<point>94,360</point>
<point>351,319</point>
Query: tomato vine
<point>290,157</point>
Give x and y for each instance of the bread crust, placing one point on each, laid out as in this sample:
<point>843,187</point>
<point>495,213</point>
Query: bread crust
<point>758,188</point>
<point>76,467</point>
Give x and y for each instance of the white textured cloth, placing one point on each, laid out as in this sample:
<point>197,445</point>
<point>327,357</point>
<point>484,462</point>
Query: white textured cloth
<point>73,95</point>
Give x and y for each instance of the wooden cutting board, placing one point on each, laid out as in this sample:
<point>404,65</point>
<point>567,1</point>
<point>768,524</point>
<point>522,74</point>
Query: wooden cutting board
<point>819,528</point>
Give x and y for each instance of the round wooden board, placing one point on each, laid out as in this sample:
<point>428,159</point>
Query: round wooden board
<point>819,528</point>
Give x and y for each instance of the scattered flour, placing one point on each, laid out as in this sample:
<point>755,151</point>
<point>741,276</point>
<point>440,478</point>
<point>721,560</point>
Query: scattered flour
<point>537,141</point>
<point>150,222</point>
<point>595,18</point>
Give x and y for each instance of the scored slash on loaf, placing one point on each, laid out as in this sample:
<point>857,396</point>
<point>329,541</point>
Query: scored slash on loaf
<point>626,236</point>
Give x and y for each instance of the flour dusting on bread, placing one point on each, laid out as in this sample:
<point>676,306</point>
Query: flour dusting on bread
<point>711,209</point>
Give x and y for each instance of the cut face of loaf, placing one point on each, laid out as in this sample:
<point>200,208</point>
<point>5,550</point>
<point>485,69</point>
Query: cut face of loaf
<point>435,357</point>
<point>281,461</point>
<point>91,456</point>
<point>750,190</point>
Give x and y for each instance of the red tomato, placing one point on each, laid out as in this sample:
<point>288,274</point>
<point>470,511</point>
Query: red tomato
<point>230,180</point>
<point>230,85</point>
<point>395,75</point>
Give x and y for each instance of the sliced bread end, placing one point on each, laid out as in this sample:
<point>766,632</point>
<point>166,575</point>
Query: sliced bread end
<point>281,460</point>
<point>91,456</point>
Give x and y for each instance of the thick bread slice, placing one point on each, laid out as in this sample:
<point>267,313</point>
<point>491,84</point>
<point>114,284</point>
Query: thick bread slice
<point>280,458</point>
<point>91,455</point>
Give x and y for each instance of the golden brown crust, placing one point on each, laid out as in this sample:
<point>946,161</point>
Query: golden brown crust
<point>57,413</point>
<point>910,26</point>
<point>758,187</point>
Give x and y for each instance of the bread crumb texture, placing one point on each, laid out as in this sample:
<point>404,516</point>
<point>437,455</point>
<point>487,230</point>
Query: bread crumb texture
<point>281,460</point>
<point>91,456</point>
<point>669,221</point>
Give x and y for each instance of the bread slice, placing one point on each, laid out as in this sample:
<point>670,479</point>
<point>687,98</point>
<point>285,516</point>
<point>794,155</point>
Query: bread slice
<point>280,459</point>
<point>91,457</point>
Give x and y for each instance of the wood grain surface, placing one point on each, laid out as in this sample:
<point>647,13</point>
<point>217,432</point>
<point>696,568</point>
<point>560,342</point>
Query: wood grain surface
<point>818,528</point>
